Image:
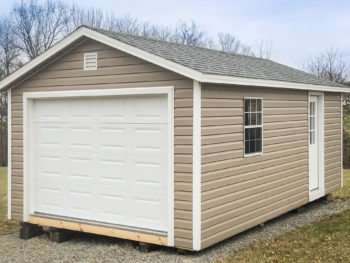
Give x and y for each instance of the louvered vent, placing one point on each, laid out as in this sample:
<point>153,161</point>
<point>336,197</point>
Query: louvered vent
<point>90,61</point>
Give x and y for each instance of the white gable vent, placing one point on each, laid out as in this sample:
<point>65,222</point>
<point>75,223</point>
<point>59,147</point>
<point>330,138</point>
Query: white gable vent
<point>90,61</point>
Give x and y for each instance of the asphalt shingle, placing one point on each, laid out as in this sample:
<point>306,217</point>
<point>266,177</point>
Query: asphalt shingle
<point>211,61</point>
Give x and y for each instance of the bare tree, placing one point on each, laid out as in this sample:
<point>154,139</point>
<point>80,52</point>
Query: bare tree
<point>190,34</point>
<point>228,43</point>
<point>84,16</point>
<point>329,65</point>
<point>8,62</point>
<point>264,49</point>
<point>38,26</point>
<point>9,53</point>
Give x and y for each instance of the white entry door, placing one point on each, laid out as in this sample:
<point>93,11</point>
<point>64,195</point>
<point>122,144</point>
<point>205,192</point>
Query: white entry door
<point>101,159</point>
<point>313,143</point>
<point>316,145</point>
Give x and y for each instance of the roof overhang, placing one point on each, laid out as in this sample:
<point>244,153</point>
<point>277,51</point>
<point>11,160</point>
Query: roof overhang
<point>162,62</point>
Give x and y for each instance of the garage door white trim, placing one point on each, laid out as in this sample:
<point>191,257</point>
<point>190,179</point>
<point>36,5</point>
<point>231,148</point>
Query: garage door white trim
<point>28,98</point>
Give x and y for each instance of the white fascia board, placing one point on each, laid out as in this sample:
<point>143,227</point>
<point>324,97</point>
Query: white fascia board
<point>43,57</point>
<point>214,78</point>
<point>162,62</point>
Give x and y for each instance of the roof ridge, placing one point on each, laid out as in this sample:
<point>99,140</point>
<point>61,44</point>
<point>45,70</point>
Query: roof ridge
<point>178,44</point>
<point>207,60</point>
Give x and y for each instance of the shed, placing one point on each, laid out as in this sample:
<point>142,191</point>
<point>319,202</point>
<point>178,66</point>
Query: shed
<point>164,143</point>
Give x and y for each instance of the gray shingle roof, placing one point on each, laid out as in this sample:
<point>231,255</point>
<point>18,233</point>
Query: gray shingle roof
<point>218,62</point>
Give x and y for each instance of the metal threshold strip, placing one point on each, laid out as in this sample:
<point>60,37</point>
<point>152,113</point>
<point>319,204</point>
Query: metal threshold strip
<point>98,223</point>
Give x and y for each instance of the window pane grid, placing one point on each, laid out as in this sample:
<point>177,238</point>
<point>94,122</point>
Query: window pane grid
<point>312,126</point>
<point>252,125</point>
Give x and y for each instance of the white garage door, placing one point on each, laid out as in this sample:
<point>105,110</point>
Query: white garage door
<point>102,159</point>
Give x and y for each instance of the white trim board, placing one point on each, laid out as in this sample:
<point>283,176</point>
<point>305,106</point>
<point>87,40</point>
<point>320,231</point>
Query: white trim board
<point>318,193</point>
<point>197,224</point>
<point>9,157</point>
<point>172,66</point>
<point>341,134</point>
<point>29,97</point>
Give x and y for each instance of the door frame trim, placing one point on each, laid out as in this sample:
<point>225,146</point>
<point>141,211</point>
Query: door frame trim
<point>318,193</point>
<point>29,97</point>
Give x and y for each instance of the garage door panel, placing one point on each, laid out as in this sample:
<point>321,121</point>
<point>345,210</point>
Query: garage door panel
<point>149,139</point>
<point>149,175</point>
<point>156,110</point>
<point>47,136</point>
<point>112,138</point>
<point>102,159</point>
<point>46,111</point>
<point>49,165</point>
<point>157,205</point>
<point>80,137</point>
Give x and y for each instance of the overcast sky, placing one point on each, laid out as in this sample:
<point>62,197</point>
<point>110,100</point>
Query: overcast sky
<point>297,28</point>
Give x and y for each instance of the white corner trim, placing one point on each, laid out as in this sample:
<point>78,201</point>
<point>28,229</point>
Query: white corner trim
<point>318,193</point>
<point>162,62</point>
<point>29,97</point>
<point>197,166</point>
<point>171,179</point>
<point>9,157</point>
<point>341,134</point>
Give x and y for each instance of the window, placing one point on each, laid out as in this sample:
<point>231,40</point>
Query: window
<point>312,118</point>
<point>252,126</point>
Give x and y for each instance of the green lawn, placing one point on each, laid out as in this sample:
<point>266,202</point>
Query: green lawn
<point>3,193</point>
<point>344,193</point>
<point>325,241</point>
<point>6,226</point>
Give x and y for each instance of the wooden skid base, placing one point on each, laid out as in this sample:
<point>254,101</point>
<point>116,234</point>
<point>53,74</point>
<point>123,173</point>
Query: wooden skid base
<point>60,235</point>
<point>146,247</point>
<point>28,230</point>
<point>99,230</point>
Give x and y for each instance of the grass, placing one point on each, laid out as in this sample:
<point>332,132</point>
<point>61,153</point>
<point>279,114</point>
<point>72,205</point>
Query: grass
<point>3,193</point>
<point>344,193</point>
<point>325,241</point>
<point>6,226</point>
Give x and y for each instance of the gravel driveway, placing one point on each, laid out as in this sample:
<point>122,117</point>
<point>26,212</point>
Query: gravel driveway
<point>91,248</point>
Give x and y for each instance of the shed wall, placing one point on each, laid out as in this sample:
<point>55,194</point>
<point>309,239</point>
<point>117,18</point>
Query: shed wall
<point>332,137</point>
<point>116,69</point>
<point>239,193</point>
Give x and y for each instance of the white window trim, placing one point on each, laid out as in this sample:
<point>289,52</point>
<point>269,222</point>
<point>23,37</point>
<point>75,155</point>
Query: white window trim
<point>318,193</point>
<point>197,223</point>
<point>28,98</point>
<point>254,126</point>
<point>9,156</point>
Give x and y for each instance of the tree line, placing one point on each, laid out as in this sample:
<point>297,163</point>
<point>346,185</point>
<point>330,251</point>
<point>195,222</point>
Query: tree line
<point>32,27</point>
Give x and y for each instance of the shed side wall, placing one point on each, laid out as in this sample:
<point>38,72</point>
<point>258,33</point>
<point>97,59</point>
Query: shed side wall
<point>116,69</point>
<point>239,193</point>
<point>332,144</point>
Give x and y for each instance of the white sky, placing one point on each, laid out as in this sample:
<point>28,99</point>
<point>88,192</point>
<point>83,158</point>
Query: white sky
<point>297,28</point>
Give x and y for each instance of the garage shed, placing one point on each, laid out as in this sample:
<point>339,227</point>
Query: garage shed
<point>164,143</point>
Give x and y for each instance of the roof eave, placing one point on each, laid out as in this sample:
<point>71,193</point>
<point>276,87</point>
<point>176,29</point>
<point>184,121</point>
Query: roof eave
<point>162,62</point>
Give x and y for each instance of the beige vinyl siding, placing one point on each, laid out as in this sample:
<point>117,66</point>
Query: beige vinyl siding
<point>239,193</point>
<point>116,69</point>
<point>332,138</point>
